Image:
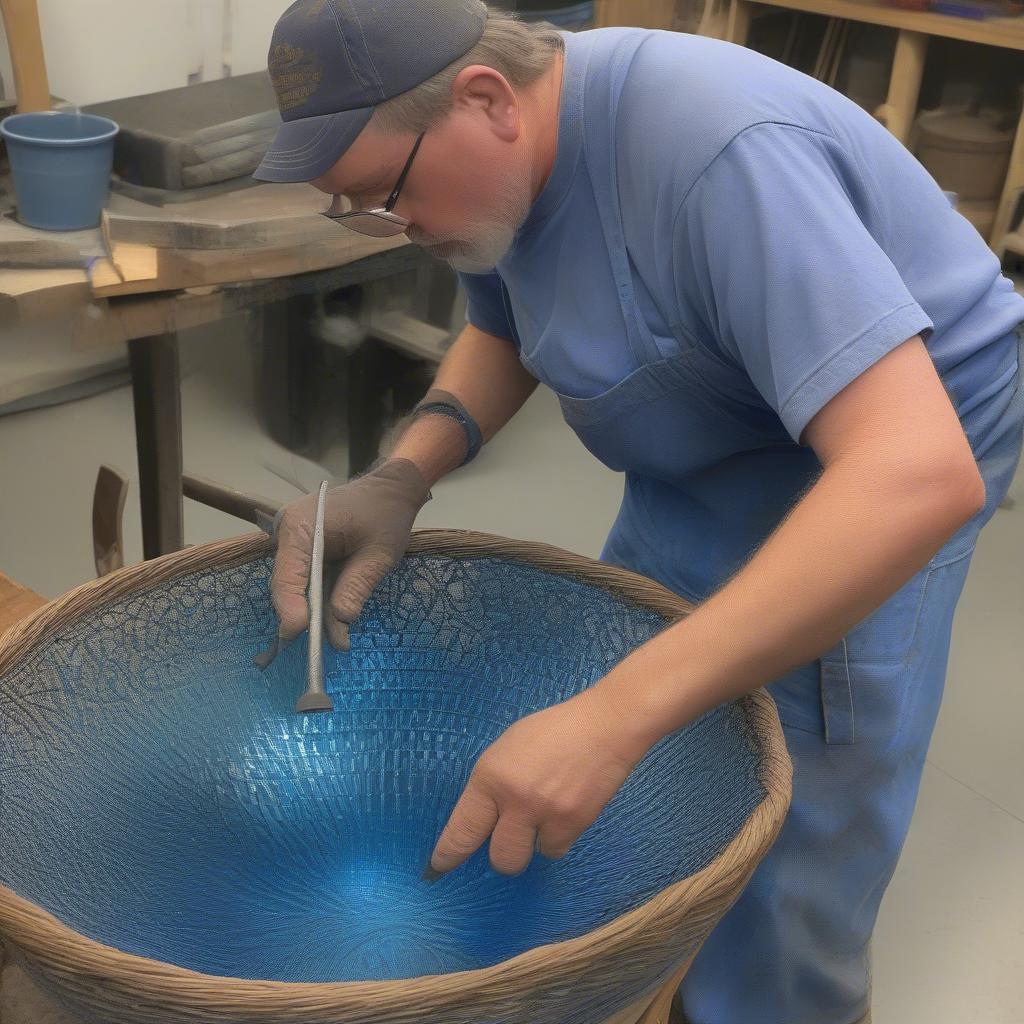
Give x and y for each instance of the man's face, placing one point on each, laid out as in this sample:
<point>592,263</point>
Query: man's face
<point>467,193</point>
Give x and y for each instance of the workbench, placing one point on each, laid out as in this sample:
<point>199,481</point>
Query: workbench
<point>915,29</point>
<point>213,258</point>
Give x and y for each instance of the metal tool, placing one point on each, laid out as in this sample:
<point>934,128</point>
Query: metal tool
<point>316,697</point>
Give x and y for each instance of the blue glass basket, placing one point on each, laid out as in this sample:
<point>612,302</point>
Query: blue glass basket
<point>176,844</point>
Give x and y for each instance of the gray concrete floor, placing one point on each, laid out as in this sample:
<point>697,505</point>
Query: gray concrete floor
<point>949,945</point>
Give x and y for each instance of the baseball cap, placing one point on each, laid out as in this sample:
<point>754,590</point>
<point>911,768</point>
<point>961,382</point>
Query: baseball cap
<point>332,61</point>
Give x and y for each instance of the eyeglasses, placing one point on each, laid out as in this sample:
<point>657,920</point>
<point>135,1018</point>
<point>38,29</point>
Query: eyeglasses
<point>380,222</point>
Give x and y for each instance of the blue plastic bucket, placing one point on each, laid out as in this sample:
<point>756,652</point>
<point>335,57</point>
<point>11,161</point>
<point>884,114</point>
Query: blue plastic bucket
<point>61,165</point>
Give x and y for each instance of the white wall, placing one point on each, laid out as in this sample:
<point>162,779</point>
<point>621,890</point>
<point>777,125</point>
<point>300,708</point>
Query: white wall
<point>251,24</point>
<point>107,49</point>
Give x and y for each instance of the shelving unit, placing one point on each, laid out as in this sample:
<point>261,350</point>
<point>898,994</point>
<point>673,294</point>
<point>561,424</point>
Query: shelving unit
<point>915,29</point>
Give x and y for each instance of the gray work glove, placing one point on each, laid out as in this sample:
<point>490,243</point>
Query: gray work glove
<point>367,523</point>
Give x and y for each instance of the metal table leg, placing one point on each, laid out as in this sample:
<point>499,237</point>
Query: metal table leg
<point>157,394</point>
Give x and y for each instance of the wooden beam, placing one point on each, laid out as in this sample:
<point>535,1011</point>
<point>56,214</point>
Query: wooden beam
<point>1011,195</point>
<point>741,13</point>
<point>636,13</point>
<point>25,42</point>
<point>1003,32</point>
<point>900,108</point>
<point>142,269</point>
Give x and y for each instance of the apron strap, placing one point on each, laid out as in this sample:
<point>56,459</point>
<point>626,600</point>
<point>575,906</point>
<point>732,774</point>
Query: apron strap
<point>601,98</point>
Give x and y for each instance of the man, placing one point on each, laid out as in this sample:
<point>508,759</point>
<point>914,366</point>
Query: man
<point>757,305</point>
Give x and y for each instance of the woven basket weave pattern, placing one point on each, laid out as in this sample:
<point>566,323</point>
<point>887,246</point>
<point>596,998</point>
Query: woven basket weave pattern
<point>228,839</point>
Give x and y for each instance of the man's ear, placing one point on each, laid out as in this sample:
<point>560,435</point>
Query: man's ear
<point>485,92</point>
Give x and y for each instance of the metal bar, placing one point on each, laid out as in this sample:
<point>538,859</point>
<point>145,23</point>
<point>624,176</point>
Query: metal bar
<point>155,388</point>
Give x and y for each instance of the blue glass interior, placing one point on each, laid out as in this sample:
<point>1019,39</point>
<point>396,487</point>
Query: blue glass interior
<point>159,794</point>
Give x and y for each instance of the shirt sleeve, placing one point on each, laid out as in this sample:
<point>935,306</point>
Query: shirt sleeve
<point>486,306</point>
<point>776,261</point>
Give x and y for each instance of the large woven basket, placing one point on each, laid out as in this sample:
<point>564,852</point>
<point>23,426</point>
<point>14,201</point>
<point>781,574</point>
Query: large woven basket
<point>176,845</point>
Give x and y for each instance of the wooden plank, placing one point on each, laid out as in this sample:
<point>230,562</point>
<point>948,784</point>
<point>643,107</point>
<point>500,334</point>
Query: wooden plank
<point>115,321</point>
<point>638,13</point>
<point>135,267</point>
<point>737,30</point>
<point>900,108</point>
<point>1007,33</point>
<point>148,269</point>
<point>27,295</point>
<point>40,254</point>
<point>263,216</point>
<point>118,321</point>
<point>25,42</point>
<point>16,602</point>
<point>165,233</point>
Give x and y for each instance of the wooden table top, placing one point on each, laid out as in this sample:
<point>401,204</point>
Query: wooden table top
<point>255,233</point>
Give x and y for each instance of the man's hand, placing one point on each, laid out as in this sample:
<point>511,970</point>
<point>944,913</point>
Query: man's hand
<point>367,524</point>
<point>540,785</point>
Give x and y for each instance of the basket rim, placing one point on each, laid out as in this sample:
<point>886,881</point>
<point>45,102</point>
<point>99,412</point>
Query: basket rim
<point>35,932</point>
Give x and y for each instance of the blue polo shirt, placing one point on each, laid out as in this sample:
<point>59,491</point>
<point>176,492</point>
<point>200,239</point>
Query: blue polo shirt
<point>779,242</point>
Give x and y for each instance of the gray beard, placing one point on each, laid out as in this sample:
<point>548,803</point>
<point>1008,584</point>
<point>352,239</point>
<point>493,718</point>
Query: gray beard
<point>490,242</point>
<point>477,256</point>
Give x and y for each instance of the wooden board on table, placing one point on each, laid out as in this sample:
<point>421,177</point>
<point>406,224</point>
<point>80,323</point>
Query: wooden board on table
<point>280,227</point>
<point>33,294</point>
<point>146,269</point>
<point>248,235</point>
<point>115,321</point>
<point>16,602</point>
<point>262,216</point>
<point>28,293</point>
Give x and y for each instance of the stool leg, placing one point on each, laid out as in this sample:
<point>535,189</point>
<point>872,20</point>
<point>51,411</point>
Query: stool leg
<point>156,389</point>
